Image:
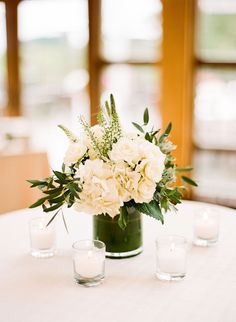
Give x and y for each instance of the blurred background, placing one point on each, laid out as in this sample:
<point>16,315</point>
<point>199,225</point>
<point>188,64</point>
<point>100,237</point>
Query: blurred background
<point>62,58</point>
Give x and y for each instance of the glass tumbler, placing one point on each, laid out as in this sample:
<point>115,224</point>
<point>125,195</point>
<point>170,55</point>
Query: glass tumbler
<point>89,262</point>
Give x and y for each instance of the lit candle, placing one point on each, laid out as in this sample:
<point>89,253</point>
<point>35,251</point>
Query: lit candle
<point>42,238</point>
<point>89,262</point>
<point>206,226</point>
<point>172,260</point>
<point>171,257</point>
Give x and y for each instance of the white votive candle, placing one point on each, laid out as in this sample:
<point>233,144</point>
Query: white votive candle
<point>206,226</point>
<point>171,257</point>
<point>42,238</point>
<point>89,262</point>
<point>172,260</point>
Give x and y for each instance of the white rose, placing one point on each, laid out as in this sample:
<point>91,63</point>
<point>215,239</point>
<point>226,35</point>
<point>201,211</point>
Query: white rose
<point>75,152</point>
<point>155,164</point>
<point>144,192</point>
<point>125,150</point>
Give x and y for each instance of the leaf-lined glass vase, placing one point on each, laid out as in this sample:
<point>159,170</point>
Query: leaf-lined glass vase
<point>119,243</point>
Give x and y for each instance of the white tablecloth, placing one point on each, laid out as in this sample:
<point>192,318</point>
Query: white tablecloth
<point>33,290</point>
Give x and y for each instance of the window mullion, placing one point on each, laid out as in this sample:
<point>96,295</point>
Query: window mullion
<point>13,107</point>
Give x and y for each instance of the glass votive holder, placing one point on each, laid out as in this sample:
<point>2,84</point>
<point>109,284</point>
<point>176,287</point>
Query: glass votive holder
<point>89,262</point>
<point>171,258</point>
<point>42,238</point>
<point>206,227</point>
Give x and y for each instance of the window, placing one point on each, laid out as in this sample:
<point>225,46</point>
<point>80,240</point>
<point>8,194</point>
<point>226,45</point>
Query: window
<point>215,112</point>
<point>53,55</point>
<point>128,56</point>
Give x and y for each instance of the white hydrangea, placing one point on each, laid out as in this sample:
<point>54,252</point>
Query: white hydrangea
<point>127,178</point>
<point>75,152</point>
<point>138,166</point>
<point>99,189</point>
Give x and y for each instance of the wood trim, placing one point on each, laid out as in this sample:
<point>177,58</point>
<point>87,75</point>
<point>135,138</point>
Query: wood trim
<point>13,78</point>
<point>104,62</point>
<point>94,55</point>
<point>215,64</point>
<point>178,70</point>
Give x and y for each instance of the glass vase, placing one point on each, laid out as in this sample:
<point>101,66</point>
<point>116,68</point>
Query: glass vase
<point>119,243</point>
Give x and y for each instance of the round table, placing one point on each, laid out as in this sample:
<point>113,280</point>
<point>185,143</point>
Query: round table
<point>33,290</point>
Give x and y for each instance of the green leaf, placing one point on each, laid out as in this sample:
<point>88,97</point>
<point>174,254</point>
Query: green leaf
<point>68,133</point>
<point>108,108</point>
<point>73,191</point>
<point>174,195</point>
<point>112,103</point>
<point>151,209</point>
<point>63,167</point>
<point>38,203</point>
<point>168,129</point>
<point>146,117</point>
<point>123,218</point>
<point>166,133</point>
<point>52,217</point>
<point>164,204</point>
<point>64,221</point>
<point>54,191</point>
<point>186,169</point>
<point>36,183</point>
<point>61,176</point>
<point>148,137</point>
<point>56,200</point>
<point>139,127</point>
<point>53,195</point>
<point>53,207</point>
<point>189,181</point>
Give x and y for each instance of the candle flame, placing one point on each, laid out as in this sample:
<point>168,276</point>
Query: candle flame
<point>205,216</point>
<point>90,253</point>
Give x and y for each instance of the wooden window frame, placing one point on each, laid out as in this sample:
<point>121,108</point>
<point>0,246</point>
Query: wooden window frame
<point>178,66</point>
<point>96,62</point>
<point>13,107</point>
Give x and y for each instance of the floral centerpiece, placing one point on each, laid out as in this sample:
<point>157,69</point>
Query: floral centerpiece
<point>115,176</point>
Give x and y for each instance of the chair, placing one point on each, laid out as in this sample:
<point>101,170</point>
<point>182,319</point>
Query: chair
<point>15,192</point>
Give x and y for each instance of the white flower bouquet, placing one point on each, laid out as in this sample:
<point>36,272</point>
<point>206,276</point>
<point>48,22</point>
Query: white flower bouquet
<point>106,171</point>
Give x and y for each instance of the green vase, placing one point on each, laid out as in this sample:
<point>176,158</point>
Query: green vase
<point>119,243</point>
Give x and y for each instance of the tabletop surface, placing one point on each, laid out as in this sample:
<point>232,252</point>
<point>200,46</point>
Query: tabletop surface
<point>43,289</point>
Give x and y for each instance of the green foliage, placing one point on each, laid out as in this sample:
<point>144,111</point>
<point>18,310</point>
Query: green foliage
<point>68,133</point>
<point>151,209</point>
<point>96,145</point>
<point>189,181</point>
<point>63,187</point>
<point>123,218</point>
<point>146,117</point>
<point>59,189</point>
<point>108,120</point>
